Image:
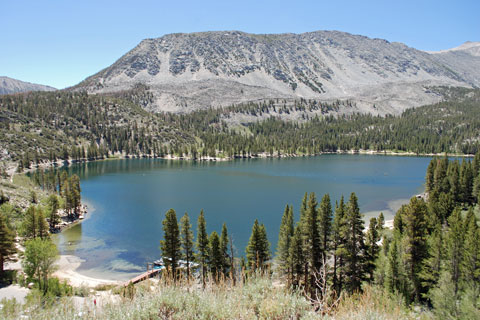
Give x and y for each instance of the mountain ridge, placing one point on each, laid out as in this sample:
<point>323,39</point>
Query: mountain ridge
<point>9,85</point>
<point>191,71</point>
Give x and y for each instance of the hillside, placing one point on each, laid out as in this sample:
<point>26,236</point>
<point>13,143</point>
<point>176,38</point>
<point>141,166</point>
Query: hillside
<point>9,85</point>
<point>187,72</point>
<point>63,125</point>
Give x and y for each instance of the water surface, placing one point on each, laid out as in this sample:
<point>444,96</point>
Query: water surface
<point>130,198</point>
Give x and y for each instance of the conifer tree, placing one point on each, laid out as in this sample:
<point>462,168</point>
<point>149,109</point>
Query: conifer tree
<point>466,182</point>
<point>338,246</point>
<point>186,235</point>
<point>258,247</point>
<point>470,266</point>
<point>7,243</point>
<point>440,176</point>
<point>415,232</point>
<point>454,247</point>
<point>264,244</point>
<point>354,246</point>
<point>476,164</point>
<point>42,225</point>
<point>202,244</point>
<point>224,241</point>
<point>215,255</point>
<point>476,189</point>
<point>296,257</point>
<point>372,248</point>
<point>311,243</point>
<point>325,227</point>
<point>53,206</point>
<point>453,174</point>
<point>171,244</point>
<point>30,223</point>
<point>284,240</point>
<point>303,206</point>
<point>393,277</point>
<point>429,179</point>
<point>381,222</point>
<point>432,264</point>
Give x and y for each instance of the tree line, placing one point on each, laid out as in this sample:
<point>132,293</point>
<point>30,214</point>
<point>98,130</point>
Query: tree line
<point>37,127</point>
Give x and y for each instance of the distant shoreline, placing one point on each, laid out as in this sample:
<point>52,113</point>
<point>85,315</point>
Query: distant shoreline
<point>262,155</point>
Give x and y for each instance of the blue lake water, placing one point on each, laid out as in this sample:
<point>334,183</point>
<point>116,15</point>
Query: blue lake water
<point>130,198</point>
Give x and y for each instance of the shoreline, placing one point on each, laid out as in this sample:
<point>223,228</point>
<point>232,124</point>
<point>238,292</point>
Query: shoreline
<point>12,170</point>
<point>67,270</point>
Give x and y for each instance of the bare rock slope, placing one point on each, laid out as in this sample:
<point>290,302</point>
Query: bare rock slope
<point>9,85</point>
<point>186,72</point>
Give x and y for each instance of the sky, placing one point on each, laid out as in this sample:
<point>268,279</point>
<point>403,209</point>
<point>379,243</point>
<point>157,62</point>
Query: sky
<point>61,42</point>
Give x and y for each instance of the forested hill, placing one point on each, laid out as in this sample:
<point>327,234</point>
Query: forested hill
<point>64,125</point>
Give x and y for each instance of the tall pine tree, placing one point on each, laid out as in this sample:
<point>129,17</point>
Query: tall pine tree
<point>284,240</point>
<point>186,236</point>
<point>325,227</point>
<point>170,246</point>
<point>202,244</point>
<point>354,246</point>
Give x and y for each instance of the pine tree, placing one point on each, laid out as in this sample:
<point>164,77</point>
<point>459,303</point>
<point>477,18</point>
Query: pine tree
<point>264,245</point>
<point>338,246</point>
<point>42,225</point>
<point>258,247</point>
<point>7,243</point>
<point>354,246</point>
<point>372,248</point>
<point>311,243</point>
<point>466,182</point>
<point>53,206</point>
<point>476,189</point>
<point>470,266</point>
<point>284,240</point>
<point>432,264</point>
<point>429,179</point>
<point>215,255</point>
<point>186,236</point>
<point>393,277</point>
<point>202,244</point>
<point>171,244</point>
<point>30,223</point>
<point>453,174</point>
<point>440,176</point>
<point>296,258</point>
<point>224,240</point>
<point>415,232</point>
<point>454,247</point>
<point>381,222</point>
<point>476,164</point>
<point>325,227</point>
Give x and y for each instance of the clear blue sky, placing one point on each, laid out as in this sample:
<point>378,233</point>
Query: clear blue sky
<point>61,42</point>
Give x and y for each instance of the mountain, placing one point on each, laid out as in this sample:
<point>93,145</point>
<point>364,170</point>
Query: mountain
<point>9,85</point>
<point>186,72</point>
<point>472,48</point>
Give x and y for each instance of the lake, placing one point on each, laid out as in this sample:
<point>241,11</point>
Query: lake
<point>129,199</point>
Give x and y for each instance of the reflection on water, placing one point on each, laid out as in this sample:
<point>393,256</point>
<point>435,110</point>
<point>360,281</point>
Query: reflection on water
<point>131,196</point>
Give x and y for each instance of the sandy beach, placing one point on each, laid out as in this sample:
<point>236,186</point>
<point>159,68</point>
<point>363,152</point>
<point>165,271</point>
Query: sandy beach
<point>67,270</point>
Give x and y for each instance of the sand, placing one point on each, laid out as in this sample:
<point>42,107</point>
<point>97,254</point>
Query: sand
<point>67,270</point>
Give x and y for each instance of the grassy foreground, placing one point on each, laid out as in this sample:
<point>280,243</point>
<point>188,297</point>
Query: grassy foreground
<point>258,298</point>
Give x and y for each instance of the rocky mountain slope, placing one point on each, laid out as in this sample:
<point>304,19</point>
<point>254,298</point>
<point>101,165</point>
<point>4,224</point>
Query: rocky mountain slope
<point>186,72</point>
<point>9,85</point>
